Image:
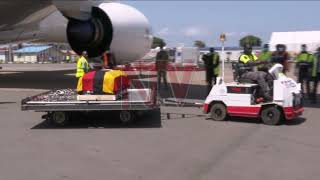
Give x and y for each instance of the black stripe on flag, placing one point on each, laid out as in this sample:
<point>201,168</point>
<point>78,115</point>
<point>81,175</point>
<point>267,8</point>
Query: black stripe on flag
<point>98,82</point>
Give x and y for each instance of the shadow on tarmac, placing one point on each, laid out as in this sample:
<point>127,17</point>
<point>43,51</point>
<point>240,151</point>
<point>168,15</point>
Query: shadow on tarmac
<point>147,120</point>
<point>308,103</point>
<point>293,122</point>
<point>8,103</point>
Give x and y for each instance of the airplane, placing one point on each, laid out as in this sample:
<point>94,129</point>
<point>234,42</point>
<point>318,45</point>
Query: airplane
<point>94,26</point>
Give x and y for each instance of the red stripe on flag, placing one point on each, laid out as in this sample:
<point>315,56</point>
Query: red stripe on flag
<point>87,81</point>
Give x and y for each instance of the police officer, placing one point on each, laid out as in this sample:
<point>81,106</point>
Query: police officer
<point>304,67</point>
<point>212,62</point>
<point>265,55</point>
<point>162,59</point>
<point>315,74</point>
<point>247,61</point>
<point>82,65</point>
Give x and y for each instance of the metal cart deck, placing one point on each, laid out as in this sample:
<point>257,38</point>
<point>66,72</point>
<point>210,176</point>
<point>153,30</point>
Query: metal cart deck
<point>63,105</point>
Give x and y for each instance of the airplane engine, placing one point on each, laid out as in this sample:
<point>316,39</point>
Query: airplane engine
<point>117,27</point>
<point>120,27</point>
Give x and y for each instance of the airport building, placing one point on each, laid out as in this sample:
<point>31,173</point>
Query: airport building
<point>38,54</point>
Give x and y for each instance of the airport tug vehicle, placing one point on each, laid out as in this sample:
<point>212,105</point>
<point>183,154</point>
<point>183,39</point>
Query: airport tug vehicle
<point>238,99</point>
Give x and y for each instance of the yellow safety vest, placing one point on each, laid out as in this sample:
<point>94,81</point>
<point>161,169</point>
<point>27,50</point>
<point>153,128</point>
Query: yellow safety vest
<point>216,70</point>
<point>80,69</point>
<point>246,58</point>
<point>315,64</point>
<point>264,56</point>
<point>304,57</point>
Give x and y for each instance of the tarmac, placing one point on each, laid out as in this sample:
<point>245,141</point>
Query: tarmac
<point>188,146</point>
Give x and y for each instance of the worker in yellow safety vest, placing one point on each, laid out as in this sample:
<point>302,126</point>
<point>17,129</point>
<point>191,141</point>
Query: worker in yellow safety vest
<point>304,68</point>
<point>265,55</point>
<point>247,61</point>
<point>212,62</point>
<point>82,65</point>
<point>68,58</point>
<point>216,67</point>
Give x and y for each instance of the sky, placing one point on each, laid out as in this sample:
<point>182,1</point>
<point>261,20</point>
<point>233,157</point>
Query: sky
<point>186,21</point>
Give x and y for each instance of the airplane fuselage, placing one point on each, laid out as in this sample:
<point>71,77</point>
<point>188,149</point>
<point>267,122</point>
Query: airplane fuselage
<point>21,12</point>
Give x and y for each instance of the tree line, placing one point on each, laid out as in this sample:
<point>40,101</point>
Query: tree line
<point>250,39</point>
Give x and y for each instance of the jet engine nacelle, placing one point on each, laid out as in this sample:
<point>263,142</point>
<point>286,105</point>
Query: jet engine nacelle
<point>118,27</point>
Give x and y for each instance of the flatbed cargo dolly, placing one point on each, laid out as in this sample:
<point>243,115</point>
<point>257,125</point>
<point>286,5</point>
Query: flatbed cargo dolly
<point>60,106</point>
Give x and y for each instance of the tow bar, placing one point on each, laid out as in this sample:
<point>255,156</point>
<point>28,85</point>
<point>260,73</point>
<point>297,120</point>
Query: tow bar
<point>181,103</point>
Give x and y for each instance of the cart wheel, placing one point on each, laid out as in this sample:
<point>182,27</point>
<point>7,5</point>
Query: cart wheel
<point>218,112</point>
<point>59,118</point>
<point>126,117</point>
<point>271,115</point>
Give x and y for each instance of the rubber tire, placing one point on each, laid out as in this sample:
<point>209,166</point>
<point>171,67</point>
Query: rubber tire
<point>271,116</point>
<point>218,112</point>
<point>126,117</point>
<point>59,118</point>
